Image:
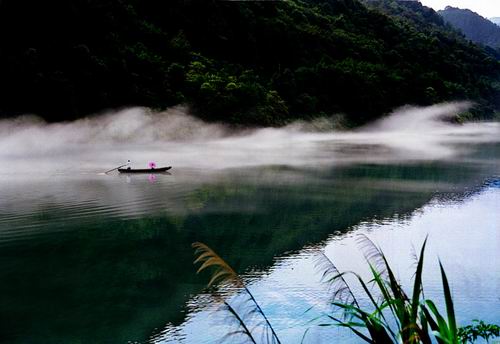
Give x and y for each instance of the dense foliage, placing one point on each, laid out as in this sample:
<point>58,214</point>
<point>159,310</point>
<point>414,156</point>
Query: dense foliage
<point>475,27</point>
<point>241,62</point>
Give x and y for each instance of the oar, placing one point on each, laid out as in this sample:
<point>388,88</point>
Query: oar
<point>117,167</point>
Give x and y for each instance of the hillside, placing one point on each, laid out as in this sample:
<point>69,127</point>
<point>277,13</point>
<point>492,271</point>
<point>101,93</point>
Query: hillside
<point>258,63</point>
<point>475,27</point>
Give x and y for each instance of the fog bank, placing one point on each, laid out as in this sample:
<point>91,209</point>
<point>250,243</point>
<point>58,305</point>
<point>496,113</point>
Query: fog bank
<point>173,137</point>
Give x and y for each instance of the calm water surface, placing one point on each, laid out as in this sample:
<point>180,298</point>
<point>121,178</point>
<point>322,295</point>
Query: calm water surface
<point>93,258</point>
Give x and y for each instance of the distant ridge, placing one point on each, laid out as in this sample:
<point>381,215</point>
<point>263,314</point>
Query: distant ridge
<point>495,20</point>
<point>475,27</point>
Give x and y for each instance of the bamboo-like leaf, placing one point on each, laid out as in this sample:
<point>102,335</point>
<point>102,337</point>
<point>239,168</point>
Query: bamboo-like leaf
<point>417,286</point>
<point>450,310</point>
<point>387,296</point>
<point>431,322</point>
<point>442,332</point>
<point>354,330</point>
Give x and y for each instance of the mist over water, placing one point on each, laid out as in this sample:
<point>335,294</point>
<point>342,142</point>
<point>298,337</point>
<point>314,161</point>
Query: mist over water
<point>173,137</point>
<point>74,239</point>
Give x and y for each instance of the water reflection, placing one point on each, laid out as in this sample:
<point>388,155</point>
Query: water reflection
<point>462,233</point>
<point>97,258</point>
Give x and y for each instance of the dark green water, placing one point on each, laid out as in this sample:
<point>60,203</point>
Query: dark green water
<point>107,259</point>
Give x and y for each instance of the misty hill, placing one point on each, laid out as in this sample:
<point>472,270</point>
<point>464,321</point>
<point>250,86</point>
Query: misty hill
<point>475,27</point>
<point>495,20</point>
<point>240,62</point>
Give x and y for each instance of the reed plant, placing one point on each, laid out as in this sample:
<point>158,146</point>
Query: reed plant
<point>252,323</point>
<point>391,316</point>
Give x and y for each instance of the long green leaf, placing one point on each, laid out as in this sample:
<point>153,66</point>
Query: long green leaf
<point>417,286</point>
<point>450,310</point>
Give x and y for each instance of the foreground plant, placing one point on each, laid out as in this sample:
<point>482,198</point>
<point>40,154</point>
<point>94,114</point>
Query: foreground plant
<point>394,316</point>
<point>391,317</point>
<point>225,277</point>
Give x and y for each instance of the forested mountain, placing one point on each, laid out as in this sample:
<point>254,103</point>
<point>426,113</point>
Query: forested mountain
<point>240,62</point>
<point>475,27</point>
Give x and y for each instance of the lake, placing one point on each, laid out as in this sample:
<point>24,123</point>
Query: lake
<point>87,257</point>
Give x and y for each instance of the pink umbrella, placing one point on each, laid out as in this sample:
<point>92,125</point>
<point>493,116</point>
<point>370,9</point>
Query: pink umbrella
<point>152,164</point>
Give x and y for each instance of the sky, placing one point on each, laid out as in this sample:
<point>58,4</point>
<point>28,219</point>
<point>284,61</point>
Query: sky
<point>486,8</point>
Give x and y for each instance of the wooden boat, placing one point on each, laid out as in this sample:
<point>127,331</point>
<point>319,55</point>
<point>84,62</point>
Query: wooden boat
<point>144,170</point>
